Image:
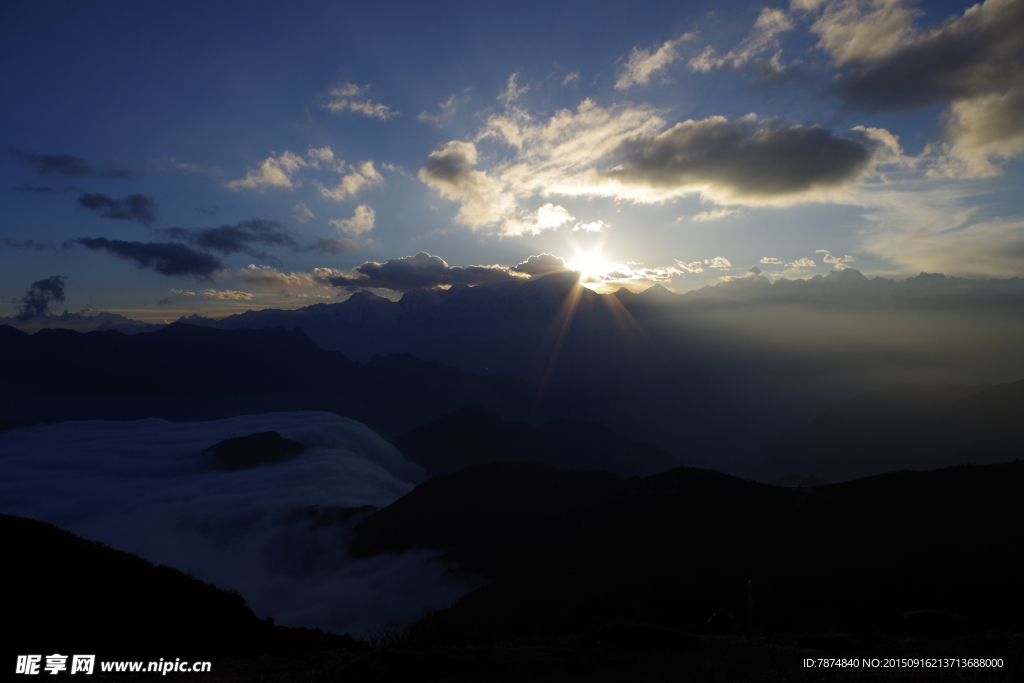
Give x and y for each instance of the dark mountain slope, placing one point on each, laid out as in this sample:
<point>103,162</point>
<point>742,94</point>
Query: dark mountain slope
<point>473,435</point>
<point>672,548</point>
<point>69,595</point>
<point>905,426</point>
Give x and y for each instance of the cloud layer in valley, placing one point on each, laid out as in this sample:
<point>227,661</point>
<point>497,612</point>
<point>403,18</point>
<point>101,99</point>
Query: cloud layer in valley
<point>146,487</point>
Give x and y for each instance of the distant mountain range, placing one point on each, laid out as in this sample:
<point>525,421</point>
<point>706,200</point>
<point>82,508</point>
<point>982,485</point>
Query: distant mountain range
<point>183,372</point>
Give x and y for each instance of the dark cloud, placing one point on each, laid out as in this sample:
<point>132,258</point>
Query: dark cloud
<point>333,246</point>
<point>35,190</point>
<point>421,271</point>
<point>977,54</point>
<point>40,295</point>
<point>167,258</point>
<point>743,158</point>
<point>68,165</point>
<point>27,244</point>
<point>246,236</point>
<point>134,207</point>
<point>165,302</point>
<point>542,264</point>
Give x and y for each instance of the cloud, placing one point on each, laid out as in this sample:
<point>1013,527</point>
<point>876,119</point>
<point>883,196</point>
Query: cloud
<point>239,238</point>
<point>512,91</point>
<point>541,264</point>
<point>352,182</point>
<point>225,294</point>
<point>839,261</point>
<point>268,279</point>
<point>272,172</point>
<point>715,215</point>
<point>71,166</point>
<point>643,64</point>
<point>144,487</point>
<point>694,267</point>
<point>718,262</point>
<point>594,226</point>
<point>39,296</point>
<point>449,170</point>
<point>349,97</point>
<point>979,130</point>
<point>361,222</point>
<point>936,231</point>
<point>972,62</point>
<point>552,216</point>
<point>167,258</point>
<point>35,190</point>
<point>421,271</point>
<point>772,260</point>
<point>134,207</point>
<point>569,78</point>
<point>745,161</point>
<point>328,245</point>
<point>26,244</point>
<point>803,262</point>
<point>302,214</point>
<point>769,24</point>
<point>166,301</point>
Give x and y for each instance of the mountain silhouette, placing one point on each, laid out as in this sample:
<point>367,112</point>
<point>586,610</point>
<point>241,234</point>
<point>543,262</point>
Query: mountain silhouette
<point>78,596</point>
<point>473,435</point>
<point>671,549</point>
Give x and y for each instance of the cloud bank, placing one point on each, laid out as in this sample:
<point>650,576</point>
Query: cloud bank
<point>147,488</point>
<point>421,271</point>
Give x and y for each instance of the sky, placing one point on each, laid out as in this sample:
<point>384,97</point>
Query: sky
<point>162,159</point>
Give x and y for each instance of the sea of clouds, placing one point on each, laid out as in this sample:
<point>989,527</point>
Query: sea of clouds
<point>146,487</point>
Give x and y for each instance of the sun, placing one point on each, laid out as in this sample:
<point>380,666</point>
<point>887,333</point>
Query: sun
<point>590,264</point>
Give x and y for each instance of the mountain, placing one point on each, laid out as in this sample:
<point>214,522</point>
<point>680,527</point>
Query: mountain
<point>185,372</point>
<point>78,596</point>
<point>80,322</point>
<point>669,550</point>
<point>473,435</point>
<point>904,426</point>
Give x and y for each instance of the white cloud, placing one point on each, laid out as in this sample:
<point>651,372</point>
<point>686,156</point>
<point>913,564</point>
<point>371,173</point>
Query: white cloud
<point>272,172</point>
<point>225,294</point>
<point>362,221</point>
<point>569,78</point>
<point>595,226</point>
<point>803,262</point>
<point>694,267</point>
<point>349,97</point>
<point>624,152</point>
<point>302,213</point>
<point>981,129</point>
<point>715,215</point>
<point>268,279</point>
<point>856,30</point>
<point>769,24</point>
<point>449,170</point>
<point>552,216</point>
<point>772,260</point>
<point>642,64</point>
<point>718,262</point>
<point>512,91</point>
<point>279,171</point>
<point>352,182</point>
<point>936,231</point>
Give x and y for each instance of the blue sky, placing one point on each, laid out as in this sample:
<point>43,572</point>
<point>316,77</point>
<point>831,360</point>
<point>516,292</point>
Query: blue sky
<point>168,158</point>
